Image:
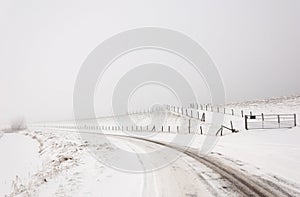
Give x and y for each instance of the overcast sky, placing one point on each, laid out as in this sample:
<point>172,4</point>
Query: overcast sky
<point>255,45</point>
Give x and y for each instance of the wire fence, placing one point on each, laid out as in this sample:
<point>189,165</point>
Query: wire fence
<point>218,109</point>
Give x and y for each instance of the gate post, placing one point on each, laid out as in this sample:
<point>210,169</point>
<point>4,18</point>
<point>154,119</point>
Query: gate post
<point>246,122</point>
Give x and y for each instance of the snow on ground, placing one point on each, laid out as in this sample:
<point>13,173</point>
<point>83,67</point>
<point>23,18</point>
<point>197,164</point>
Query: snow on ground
<point>68,169</point>
<point>282,105</point>
<point>274,152</point>
<point>56,162</point>
<point>19,161</point>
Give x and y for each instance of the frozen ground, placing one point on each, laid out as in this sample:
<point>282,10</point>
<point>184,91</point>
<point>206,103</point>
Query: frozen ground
<point>19,161</point>
<point>52,159</point>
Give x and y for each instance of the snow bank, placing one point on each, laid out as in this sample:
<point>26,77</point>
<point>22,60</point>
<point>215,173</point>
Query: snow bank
<point>275,152</point>
<point>19,161</point>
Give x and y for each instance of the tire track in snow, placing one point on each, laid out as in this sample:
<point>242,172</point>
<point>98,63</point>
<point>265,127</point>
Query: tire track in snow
<point>245,185</point>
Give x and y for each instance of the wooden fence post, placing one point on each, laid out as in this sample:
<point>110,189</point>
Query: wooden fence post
<point>278,118</point>
<point>169,129</point>
<point>162,128</point>
<point>189,128</point>
<point>246,122</point>
<point>232,112</point>
<point>177,129</point>
<point>201,130</point>
<point>242,112</point>
<point>295,120</point>
<point>231,126</point>
<point>153,129</point>
<point>203,117</point>
<point>263,120</point>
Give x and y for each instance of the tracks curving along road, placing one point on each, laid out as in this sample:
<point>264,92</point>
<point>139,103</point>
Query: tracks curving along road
<point>241,184</point>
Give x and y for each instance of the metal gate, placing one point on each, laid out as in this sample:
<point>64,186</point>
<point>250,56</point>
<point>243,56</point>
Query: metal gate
<point>270,121</point>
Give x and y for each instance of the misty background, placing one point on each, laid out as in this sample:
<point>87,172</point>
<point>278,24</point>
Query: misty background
<point>255,45</point>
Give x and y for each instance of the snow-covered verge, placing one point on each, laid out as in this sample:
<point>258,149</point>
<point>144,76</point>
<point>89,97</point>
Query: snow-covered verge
<point>57,163</point>
<point>19,162</point>
<point>29,159</point>
<point>272,154</point>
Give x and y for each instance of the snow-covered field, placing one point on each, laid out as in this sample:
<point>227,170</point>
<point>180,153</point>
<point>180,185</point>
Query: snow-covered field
<point>53,159</point>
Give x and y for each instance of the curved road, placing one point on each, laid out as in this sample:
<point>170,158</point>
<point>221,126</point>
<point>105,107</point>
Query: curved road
<point>194,175</point>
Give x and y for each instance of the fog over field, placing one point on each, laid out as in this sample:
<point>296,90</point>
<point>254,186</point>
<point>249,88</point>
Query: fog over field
<point>254,44</point>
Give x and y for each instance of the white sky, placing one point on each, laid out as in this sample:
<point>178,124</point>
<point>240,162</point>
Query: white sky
<point>255,45</point>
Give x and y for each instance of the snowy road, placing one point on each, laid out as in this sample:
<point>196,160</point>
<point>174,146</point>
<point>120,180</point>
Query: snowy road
<point>180,178</point>
<point>193,175</point>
